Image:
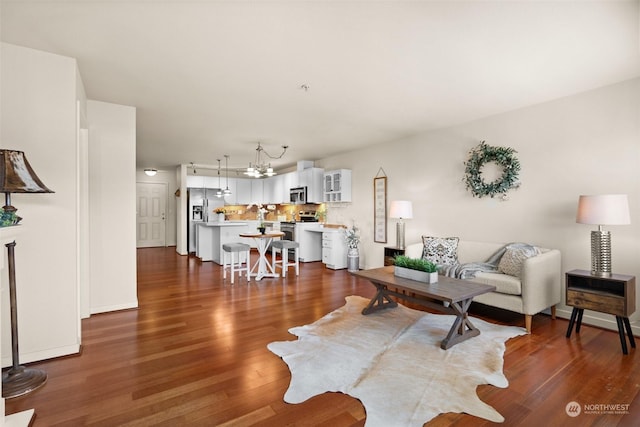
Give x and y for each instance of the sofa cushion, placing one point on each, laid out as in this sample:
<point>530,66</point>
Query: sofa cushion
<point>440,250</point>
<point>504,283</point>
<point>514,256</point>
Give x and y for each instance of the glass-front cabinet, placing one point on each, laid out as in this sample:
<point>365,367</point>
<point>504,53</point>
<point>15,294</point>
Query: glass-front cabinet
<point>337,186</point>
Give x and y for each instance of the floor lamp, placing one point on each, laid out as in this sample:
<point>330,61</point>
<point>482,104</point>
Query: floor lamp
<point>17,176</point>
<point>606,209</point>
<point>401,209</point>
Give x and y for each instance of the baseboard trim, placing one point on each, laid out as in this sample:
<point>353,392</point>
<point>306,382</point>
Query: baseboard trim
<point>38,356</point>
<point>117,307</point>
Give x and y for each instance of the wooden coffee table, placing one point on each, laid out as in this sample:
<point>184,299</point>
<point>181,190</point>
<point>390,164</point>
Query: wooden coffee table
<point>457,293</point>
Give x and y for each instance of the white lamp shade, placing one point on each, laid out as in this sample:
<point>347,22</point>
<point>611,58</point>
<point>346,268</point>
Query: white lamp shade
<point>401,209</point>
<point>606,209</point>
<point>150,171</point>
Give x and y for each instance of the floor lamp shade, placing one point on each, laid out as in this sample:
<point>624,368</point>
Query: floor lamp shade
<point>606,209</point>
<point>401,209</point>
<point>17,176</point>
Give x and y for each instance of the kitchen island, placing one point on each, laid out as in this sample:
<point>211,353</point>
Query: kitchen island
<point>210,236</point>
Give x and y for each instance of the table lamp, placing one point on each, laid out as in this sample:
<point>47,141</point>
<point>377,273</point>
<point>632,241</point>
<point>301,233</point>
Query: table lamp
<point>401,209</point>
<point>607,209</point>
<point>17,176</point>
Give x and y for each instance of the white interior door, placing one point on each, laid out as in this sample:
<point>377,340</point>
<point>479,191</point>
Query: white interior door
<point>151,214</point>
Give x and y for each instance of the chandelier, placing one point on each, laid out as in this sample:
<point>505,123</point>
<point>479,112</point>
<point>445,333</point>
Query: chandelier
<point>260,167</point>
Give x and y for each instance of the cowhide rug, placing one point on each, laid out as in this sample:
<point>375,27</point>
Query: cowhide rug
<point>392,362</point>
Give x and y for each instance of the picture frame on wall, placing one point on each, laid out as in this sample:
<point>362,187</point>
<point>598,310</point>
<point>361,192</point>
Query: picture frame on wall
<point>380,209</point>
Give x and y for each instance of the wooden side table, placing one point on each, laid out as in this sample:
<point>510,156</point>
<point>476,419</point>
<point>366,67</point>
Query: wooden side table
<point>613,295</point>
<point>390,252</point>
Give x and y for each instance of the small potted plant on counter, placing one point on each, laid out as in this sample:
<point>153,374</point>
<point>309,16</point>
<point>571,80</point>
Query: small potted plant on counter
<point>220,213</point>
<point>418,269</point>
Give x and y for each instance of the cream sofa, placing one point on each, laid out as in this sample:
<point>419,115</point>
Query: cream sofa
<point>537,288</point>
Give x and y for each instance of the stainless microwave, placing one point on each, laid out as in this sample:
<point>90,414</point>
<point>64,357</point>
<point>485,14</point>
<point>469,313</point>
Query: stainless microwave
<point>298,195</point>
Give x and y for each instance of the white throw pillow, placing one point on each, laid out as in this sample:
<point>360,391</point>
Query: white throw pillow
<point>440,250</point>
<point>514,256</point>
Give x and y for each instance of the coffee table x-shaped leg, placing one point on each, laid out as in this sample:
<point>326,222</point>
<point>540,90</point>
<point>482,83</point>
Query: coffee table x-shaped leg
<point>462,328</point>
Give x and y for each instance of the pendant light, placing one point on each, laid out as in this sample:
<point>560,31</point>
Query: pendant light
<point>219,192</point>
<point>226,191</point>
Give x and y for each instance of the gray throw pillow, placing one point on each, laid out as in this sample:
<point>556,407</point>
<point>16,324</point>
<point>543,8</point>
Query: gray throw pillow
<point>513,258</point>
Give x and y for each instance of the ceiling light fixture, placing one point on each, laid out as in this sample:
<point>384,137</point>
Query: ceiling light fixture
<point>260,167</point>
<point>150,171</point>
<point>226,191</point>
<point>219,192</point>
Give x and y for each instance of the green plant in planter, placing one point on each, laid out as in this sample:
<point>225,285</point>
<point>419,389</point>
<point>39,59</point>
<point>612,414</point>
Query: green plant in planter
<point>419,264</point>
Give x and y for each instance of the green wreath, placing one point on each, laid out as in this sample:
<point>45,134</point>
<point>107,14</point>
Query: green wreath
<point>504,157</point>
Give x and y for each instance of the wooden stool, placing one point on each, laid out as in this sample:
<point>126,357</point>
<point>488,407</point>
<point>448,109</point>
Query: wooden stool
<point>231,249</point>
<point>283,246</point>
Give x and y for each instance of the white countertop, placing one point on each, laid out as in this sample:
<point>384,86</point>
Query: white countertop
<point>323,229</point>
<point>222,224</point>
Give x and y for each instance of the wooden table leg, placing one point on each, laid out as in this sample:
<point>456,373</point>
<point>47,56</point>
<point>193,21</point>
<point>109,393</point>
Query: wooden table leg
<point>627,325</point>
<point>378,301</point>
<point>462,328</point>
<point>623,338</point>
<point>579,322</point>
<point>572,320</point>
<point>262,266</point>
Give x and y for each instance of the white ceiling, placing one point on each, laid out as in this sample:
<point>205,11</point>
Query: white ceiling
<point>210,78</point>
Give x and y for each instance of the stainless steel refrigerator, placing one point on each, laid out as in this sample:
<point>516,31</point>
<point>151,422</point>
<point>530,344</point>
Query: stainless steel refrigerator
<point>202,202</point>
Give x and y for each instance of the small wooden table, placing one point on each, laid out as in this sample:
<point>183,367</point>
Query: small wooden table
<point>615,295</point>
<point>262,267</point>
<point>457,293</point>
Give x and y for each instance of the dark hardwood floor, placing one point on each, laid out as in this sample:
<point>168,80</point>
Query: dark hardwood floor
<point>194,353</point>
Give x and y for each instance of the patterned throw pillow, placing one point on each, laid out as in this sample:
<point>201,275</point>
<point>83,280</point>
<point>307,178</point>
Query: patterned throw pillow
<point>514,256</point>
<point>440,250</point>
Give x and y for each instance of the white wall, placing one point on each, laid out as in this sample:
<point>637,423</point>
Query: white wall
<point>181,217</point>
<point>169,178</point>
<point>112,184</point>
<point>584,144</point>
<point>39,94</point>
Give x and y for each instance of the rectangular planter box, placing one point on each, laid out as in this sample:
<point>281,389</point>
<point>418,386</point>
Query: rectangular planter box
<point>418,276</point>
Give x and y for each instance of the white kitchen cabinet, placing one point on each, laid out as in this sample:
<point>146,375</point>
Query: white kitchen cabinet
<point>195,181</point>
<point>312,178</point>
<point>230,183</point>
<point>334,249</point>
<point>268,189</point>
<point>337,186</point>
<point>257,190</point>
<point>212,182</point>
<point>273,189</point>
<point>243,191</point>
<point>288,181</point>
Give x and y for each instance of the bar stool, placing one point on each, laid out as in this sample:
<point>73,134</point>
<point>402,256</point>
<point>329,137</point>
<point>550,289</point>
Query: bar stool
<point>283,246</point>
<point>231,249</point>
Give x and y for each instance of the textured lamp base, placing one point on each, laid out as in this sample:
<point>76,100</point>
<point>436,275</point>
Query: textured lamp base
<point>400,234</point>
<point>20,381</point>
<point>601,253</point>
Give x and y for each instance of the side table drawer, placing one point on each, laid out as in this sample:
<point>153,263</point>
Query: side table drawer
<point>595,301</point>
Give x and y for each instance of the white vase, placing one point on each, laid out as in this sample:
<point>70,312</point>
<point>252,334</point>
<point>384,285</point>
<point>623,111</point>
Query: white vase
<point>220,217</point>
<point>418,276</point>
